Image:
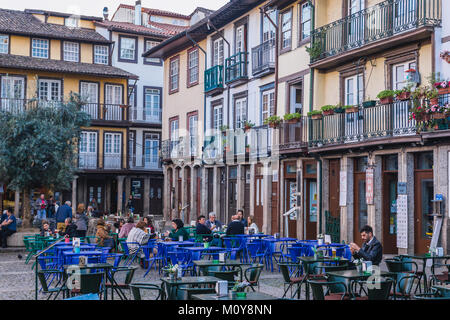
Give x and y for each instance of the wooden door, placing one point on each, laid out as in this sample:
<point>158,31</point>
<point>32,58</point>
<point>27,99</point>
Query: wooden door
<point>210,173</point>
<point>423,223</point>
<point>359,206</point>
<point>259,196</point>
<point>274,226</point>
<point>311,209</point>
<point>179,192</point>
<point>137,191</point>
<point>187,211</point>
<point>156,196</point>
<point>198,191</point>
<point>333,191</point>
<point>389,219</point>
<point>247,189</point>
<point>94,190</point>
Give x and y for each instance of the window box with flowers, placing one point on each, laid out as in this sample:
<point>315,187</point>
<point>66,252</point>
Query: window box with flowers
<point>443,87</point>
<point>248,125</point>
<point>386,96</point>
<point>273,121</point>
<point>403,94</point>
<point>445,55</point>
<point>328,110</point>
<point>433,96</point>
<point>351,109</point>
<point>315,114</point>
<point>292,118</point>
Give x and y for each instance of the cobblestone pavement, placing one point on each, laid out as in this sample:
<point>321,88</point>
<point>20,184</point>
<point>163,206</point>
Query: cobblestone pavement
<point>17,279</point>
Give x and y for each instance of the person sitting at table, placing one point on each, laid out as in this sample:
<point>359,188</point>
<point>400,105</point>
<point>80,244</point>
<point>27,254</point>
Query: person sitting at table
<point>149,224</point>
<point>137,235</point>
<point>127,228</point>
<point>235,226</point>
<point>46,228</point>
<point>253,228</point>
<point>202,229</point>
<point>119,224</point>
<point>177,231</point>
<point>240,214</point>
<point>212,223</point>
<point>371,249</point>
<point>7,226</point>
<point>102,234</point>
<point>70,229</point>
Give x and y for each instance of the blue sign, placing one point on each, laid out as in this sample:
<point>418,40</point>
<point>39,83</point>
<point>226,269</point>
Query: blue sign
<point>439,197</point>
<point>401,187</point>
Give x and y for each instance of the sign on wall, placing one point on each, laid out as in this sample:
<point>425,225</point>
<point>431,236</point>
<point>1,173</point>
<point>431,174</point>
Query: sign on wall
<point>369,186</point>
<point>402,221</point>
<point>343,188</point>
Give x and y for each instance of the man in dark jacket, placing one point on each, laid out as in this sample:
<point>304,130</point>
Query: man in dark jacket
<point>371,249</point>
<point>64,212</point>
<point>235,226</point>
<point>202,229</point>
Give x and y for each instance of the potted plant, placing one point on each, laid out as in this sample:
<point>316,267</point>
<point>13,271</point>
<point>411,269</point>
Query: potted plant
<point>238,289</point>
<point>445,55</point>
<point>292,117</point>
<point>315,114</point>
<point>339,109</point>
<point>433,96</point>
<point>224,129</point>
<point>386,96</point>
<point>172,271</point>
<point>315,50</point>
<point>248,125</point>
<point>369,103</point>
<point>351,109</point>
<point>403,94</point>
<point>438,112</point>
<point>273,121</point>
<point>328,110</point>
<point>443,87</point>
<point>420,92</point>
<point>247,148</point>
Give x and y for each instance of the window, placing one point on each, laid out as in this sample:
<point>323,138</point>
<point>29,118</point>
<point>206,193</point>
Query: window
<point>351,89</point>
<point>4,43</point>
<point>152,105</point>
<point>193,67</point>
<point>12,88</point>
<point>268,28</point>
<point>113,150</point>
<point>89,93</point>
<point>128,49</point>
<point>101,54</point>
<point>399,75</point>
<point>148,45</point>
<point>193,127</point>
<point>218,52</point>
<point>72,22</point>
<point>71,51</point>
<point>286,29</point>
<point>131,150</point>
<point>156,19</point>
<point>217,117</point>
<point>88,150</point>
<point>113,94</point>
<point>151,148</point>
<point>305,20</point>
<point>40,48</point>
<point>240,39</point>
<point>173,129</point>
<point>268,104</point>
<point>49,90</point>
<point>240,111</point>
<point>174,72</point>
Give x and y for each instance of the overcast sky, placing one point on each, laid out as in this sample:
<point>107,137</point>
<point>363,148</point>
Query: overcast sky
<point>95,7</point>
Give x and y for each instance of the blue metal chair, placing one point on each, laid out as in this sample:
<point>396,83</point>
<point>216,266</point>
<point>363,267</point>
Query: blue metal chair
<point>255,252</point>
<point>151,258</point>
<point>233,246</point>
<point>129,257</point>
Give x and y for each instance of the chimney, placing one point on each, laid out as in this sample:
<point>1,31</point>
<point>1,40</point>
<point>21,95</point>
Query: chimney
<point>105,13</point>
<point>138,13</point>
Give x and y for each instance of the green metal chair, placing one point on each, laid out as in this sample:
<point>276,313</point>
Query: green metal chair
<point>137,287</point>
<point>185,292</point>
<point>291,277</point>
<point>375,290</point>
<point>228,275</point>
<point>46,288</point>
<point>89,283</point>
<point>317,288</point>
<point>252,275</point>
<point>129,274</point>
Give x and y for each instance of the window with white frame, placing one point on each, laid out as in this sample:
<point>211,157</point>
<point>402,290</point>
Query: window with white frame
<point>4,43</point>
<point>268,104</point>
<point>193,66</point>
<point>174,71</point>
<point>101,54</point>
<point>240,108</point>
<point>268,29</point>
<point>113,149</point>
<point>152,105</point>
<point>151,148</point>
<point>305,20</point>
<point>354,90</point>
<point>88,150</point>
<point>71,51</point>
<point>40,48</point>
<point>148,45</point>
<point>286,29</point>
<point>399,74</point>
<point>174,130</point>
<point>113,94</point>
<point>217,117</point>
<point>49,89</point>
<point>218,52</point>
<point>72,21</point>
<point>193,127</point>
<point>128,48</point>
<point>240,39</point>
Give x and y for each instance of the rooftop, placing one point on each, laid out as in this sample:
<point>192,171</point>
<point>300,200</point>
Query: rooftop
<point>160,30</point>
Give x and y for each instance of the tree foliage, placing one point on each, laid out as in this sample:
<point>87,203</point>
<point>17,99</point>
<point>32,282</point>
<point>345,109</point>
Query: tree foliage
<point>38,145</point>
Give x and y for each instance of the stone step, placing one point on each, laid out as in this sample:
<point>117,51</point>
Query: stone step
<point>16,239</point>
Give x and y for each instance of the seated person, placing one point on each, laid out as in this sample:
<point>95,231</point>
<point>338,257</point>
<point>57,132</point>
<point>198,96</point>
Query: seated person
<point>137,235</point>
<point>202,229</point>
<point>149,224</point>
<point>235,226</point>
<point>7,226</point>
<point>177,231</point>
<point>119,224</point>
<point>371,249</point>
<point>46,229</point>
<point>126,228</point>
<point>253,228</point>
<point>102,234</point>
<point>70,229</point>
<point>212,223</point>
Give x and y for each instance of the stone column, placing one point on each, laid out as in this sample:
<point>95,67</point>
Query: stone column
<point>441,186</point>
<point>174,210</point>
<point>184,196</point>
<point>252,188</point>
<point>371,207</point>
<point>166,195</point>
<point>267,202</point>
<point>406,174</point>
<point>108,195</point>
<point>204,191</point>
<point>300,200</point>
<point>146,195</point>
<point>282,200</point>
<point>346,223</point>
<point>216,192</point>
<point>240,187</point>
<point>127,187</point>
<point>16,203</point>
<point>74,194</point>
<point>377,197</point>
<point>193,195</point>
<point>120,180</point>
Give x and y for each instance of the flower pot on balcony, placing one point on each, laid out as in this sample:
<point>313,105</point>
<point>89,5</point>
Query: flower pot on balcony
<point>293,121</point>
<point>352,109</point>
<point>426,117</point>
<point>123,106</point>
<point>316,116</point>
<point>370,103</point>
<point>434,101</point>
<point>444,90</point>
<point>439,115</point>
<point>247,150</point>
<point>328,112</point>
<point>387,100</point>
<point>404,96</point>
<point>273,125</point>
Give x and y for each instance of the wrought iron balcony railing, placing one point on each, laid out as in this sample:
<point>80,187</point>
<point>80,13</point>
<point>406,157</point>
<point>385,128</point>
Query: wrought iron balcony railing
<point>263,58</point>
<point>144,162</point>
<point>139,114</point>
<point>293,136</point>
<point>214,78</point>
<point>236,67</point>
<point>95,161</point>
<point>381,21</point>
<point>181,148</point>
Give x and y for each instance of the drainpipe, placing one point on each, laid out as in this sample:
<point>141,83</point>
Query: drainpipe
<point>311,73</point>
<point>319,161</point>
<point>263,10</point>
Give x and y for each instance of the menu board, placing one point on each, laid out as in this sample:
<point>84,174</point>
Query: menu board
<point>402,221</point>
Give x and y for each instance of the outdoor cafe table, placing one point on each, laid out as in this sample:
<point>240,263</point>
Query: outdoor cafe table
<point>307,261</point>
<point>204,264</point>
<point>352,275</point>
<point>424,257</point>
<point>444,289</point>
<point>70,255</point>
<point>272,242</point>
<point>171,285</point>
<point>196,252</point>
<point>249,296</point>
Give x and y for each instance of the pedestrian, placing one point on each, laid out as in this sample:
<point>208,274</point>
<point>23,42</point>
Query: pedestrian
<point>90,211</point>
<point>126,228</point>
<point>81,220</point>
<point>235,226</point>
<point>130,204</point>
<point>64,212</point>
<point>51,208</point>
<point>93,204</point>
<point>41,207</point>
<point>7,226</point>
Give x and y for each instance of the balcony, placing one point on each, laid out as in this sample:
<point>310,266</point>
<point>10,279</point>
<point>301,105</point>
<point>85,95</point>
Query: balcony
<point>263,59</point>
<point>108,112</point>
<point>293,136</point>
<point>214,80</point>
<point>236,69</point>
<point>183,148</point>
<point>144,162</point>
<point>90,161</point>
<point>381,122</point>
<point>143,115</point>
<point>20,105</point>
<point>393,21</point>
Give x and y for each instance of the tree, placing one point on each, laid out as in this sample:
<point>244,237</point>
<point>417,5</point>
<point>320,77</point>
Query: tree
<point>38,147</point>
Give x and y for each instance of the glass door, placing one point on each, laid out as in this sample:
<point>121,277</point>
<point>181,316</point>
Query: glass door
<point>355,22</point>
<point>113,150</point>
<point>12,94</point>
<point>88,150</point>
<point>151,152</point>
<point>89,94</point>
